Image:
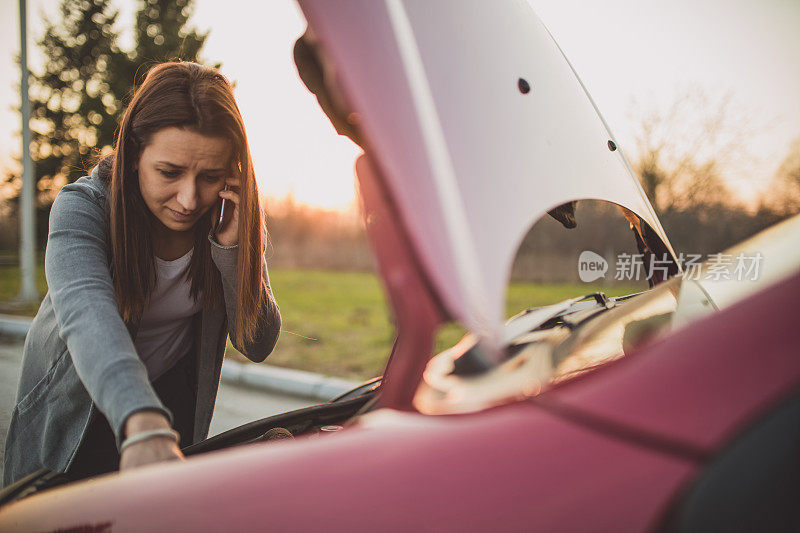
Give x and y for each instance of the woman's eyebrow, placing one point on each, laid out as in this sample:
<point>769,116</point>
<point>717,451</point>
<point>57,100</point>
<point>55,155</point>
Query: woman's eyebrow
<point>181,167</point>
<point>173,165</point>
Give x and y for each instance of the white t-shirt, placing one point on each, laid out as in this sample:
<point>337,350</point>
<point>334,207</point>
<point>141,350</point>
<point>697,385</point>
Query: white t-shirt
<point>164,334</point>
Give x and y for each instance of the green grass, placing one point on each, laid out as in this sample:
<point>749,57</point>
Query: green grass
<point>337,323</point>
<point>9,291</point>
<point>333,322</point>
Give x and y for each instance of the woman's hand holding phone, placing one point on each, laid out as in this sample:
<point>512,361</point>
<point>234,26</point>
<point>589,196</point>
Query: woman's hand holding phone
<point>227,229</point>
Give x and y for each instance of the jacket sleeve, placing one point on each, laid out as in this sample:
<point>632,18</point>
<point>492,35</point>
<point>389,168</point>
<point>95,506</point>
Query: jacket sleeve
<point>85,306</point>
<point>269,319</point>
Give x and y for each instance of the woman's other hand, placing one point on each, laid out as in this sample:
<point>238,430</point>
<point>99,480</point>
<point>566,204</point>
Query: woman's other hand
<point>228,232</point>
<point>152,450</point>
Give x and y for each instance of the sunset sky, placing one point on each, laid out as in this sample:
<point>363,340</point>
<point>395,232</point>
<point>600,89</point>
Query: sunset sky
<point>644,50</point>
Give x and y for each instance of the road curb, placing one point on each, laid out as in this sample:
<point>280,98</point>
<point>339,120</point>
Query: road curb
<point>285,380</point>
<point>262,376</point>
<point>14,326</point>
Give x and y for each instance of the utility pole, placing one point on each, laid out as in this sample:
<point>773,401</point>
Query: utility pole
<point>27,244</point>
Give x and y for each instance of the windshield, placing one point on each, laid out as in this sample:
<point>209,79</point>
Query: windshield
<point>588,334</point>
<point>618,331</point>
<point>749,267</point>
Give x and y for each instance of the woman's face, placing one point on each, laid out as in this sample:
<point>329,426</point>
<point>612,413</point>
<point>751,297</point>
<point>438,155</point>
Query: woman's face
<point>180,175</point>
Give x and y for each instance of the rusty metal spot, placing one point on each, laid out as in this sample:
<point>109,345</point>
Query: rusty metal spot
<point>102,527</point>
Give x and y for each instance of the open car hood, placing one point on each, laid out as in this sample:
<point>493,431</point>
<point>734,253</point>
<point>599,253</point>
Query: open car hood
<point>476,125</point>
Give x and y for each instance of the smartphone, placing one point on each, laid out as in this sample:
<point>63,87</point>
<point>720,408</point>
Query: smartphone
<point>221,211</point>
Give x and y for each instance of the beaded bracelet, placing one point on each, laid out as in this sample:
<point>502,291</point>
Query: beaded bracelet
<point>146,435</point>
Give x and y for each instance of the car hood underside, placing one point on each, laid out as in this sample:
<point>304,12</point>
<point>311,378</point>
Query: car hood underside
<point>475,125</point>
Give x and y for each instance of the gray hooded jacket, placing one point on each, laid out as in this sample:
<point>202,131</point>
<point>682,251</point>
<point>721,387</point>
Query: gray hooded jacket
<point>79,354</point>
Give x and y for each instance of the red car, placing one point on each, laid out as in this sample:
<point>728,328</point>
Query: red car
<point>677,409</point>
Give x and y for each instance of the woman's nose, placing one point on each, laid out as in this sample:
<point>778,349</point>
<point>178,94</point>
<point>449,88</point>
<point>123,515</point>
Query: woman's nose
<point>187,195</point>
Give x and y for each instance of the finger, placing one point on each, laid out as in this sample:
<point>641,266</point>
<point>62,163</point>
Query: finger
<point>230,195</point>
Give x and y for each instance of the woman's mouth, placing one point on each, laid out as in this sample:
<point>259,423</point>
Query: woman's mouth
<point>181,217</point>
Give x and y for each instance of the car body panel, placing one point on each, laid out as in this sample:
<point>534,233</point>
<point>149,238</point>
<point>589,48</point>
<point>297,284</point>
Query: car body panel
<point>416,311</point>
<point>469,160</point>
<point>494,471</point>
<point>698,387</point>
<point>608,462</point>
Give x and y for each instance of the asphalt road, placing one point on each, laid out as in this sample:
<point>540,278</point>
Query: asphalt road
<point>236,404</point>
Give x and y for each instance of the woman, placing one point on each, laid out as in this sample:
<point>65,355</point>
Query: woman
<point>145,284</point>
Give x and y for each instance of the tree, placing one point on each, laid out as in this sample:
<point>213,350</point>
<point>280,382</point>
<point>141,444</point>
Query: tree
<point>160,34</point>
<point>77,99</point>
<point>784,195</point>
<point>684,151</point>
<point>73,109</point>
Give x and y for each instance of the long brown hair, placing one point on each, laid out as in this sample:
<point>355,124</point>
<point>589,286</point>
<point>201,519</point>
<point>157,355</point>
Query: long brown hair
<point>191,96</point>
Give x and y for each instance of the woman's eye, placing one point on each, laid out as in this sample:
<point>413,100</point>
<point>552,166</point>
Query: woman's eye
<point>212,179</point>
<point>169,173</point>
